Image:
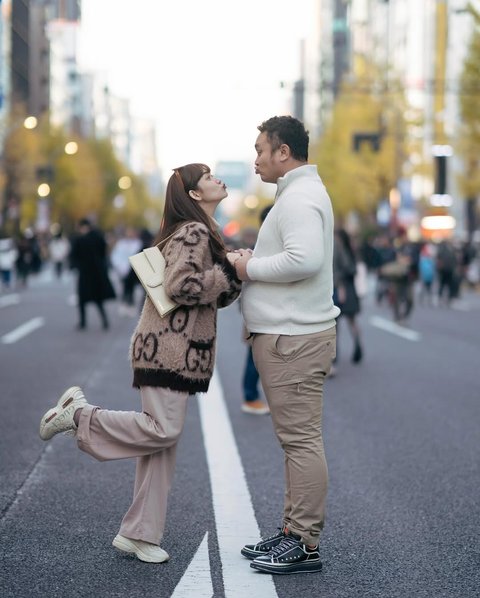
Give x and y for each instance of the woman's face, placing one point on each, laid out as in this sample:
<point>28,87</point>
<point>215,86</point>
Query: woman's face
<point>210,190</point>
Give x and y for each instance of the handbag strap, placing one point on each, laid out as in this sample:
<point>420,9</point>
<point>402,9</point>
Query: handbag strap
<point>170,236</point>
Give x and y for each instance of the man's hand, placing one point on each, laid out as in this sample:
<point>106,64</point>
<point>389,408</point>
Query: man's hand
<point>241,263</point>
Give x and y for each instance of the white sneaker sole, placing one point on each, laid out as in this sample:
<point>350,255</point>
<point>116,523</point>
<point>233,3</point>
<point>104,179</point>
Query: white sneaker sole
<point>126,545</point>
<point>53,421</point>
<point>253,411</point>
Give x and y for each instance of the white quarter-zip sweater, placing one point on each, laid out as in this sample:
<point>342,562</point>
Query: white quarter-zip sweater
<point>291,286</point>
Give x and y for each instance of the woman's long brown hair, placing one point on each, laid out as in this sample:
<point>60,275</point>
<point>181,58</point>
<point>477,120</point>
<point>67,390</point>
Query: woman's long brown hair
<point>180,208</point>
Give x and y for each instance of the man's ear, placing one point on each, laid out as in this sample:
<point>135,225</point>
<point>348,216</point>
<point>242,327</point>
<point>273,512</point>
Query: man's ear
<point>285,152</point>
<point>194,195</point>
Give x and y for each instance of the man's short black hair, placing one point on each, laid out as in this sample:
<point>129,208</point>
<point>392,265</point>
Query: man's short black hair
<point>287,130</point>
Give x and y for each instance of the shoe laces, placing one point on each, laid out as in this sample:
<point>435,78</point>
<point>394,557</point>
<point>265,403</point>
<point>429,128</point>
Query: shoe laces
<point>287,543</point>
<point>280,529</point>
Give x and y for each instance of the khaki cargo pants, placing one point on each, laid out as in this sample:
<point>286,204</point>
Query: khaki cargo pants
<point>292,370</point>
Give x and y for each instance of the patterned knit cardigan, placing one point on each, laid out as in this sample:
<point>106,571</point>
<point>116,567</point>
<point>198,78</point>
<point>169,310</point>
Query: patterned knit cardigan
<point>178,351</point>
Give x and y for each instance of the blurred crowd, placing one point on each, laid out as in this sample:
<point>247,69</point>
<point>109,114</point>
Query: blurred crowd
<point>405,271</point>
<point>434,273</point>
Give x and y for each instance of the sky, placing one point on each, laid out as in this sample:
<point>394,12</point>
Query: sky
<point>208,72</point>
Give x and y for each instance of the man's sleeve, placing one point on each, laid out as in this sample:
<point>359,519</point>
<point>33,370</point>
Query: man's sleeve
<point>301,229</point>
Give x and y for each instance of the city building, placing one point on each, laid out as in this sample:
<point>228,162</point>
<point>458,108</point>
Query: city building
<point>422,45</point>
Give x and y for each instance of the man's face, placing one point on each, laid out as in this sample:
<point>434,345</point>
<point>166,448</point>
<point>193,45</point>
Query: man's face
<point>267,163</point>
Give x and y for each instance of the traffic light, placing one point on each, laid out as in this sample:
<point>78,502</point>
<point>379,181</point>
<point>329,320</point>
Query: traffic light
<point>440,175</point>
<point>440,154</point>
<point>372,139</point>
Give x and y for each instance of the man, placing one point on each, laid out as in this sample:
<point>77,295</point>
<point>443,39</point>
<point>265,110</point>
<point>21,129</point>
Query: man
<point>288,309</point>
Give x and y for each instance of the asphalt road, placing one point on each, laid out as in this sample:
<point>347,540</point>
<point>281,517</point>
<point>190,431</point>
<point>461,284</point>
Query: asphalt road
<point>402,444</point>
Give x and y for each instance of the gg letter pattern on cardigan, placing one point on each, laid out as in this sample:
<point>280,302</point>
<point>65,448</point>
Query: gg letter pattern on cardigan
<point>178,351</point>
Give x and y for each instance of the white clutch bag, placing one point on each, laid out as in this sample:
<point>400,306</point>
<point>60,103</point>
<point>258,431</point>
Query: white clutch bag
<point>149,266</point>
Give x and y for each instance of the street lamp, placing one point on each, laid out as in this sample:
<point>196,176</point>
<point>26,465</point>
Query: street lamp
<point>43,190</point>
<point>124,182</point>
<point>43,207</point>
<point>30,122</point>
<point>71,148</point>
<point>47,172</point>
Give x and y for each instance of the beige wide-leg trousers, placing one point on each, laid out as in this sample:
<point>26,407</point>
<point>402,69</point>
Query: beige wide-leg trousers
<point>292,370</point>
<point>152,437</point>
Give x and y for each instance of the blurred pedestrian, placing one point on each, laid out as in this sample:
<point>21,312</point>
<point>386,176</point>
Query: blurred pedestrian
<point>24,264</point>
<point>8,255</point>
<point>126,246</point>
<point>146,238</point>
<point>252,403</point>
<point>385,254</point>
<point>345,292</point>
<point>59,250</point>
<point>172,358</point>
<point>289,312</point>
<point>400,276</point>
<point>426,268</point>
<point>446,269</point>
<point>89,257</point>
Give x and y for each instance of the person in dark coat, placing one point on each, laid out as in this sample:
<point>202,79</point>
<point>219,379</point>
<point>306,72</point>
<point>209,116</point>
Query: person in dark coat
<point>345,293</point>
<point>89,257</point>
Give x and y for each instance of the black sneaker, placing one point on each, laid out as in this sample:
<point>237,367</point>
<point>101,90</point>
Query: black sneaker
<point>289,556</point>
<point>251,551</point>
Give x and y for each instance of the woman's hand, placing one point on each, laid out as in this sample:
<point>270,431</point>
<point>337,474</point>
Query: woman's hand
<point>232,257</point>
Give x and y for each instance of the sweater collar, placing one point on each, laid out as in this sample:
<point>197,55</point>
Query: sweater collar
<point>308,170</point>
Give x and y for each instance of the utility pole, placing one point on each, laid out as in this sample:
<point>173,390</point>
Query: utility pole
<point>299,87</point>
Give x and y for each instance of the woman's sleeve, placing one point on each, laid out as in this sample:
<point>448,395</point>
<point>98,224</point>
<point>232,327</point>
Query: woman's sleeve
<point>235,286</point>
<point>186,280</point>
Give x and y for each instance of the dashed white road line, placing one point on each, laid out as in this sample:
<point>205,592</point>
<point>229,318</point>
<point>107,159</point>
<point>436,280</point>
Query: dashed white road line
<point>388,326</point>
<point>22,331</point>
<point>234,515</point>
<point>8,300</point>
<point>196,580</point>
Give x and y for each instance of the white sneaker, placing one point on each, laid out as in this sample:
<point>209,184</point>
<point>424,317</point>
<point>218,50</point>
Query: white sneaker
<point>257,407</point>
<point>146,552</point>
<point>60,418</point>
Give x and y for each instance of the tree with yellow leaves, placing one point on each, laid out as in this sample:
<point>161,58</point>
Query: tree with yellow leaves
<point>361,154</point>
<point>82,177</point>
<point>468,144</point>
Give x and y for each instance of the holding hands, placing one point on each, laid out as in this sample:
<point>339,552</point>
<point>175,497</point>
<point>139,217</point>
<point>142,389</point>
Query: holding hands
<point>239,259</point>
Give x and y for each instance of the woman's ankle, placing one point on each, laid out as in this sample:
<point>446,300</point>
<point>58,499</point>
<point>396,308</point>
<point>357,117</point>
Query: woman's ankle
<point>76,416</point>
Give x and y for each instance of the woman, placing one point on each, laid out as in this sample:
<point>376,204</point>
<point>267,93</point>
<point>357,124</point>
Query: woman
<point>346,297</point>
<point>172,358</point>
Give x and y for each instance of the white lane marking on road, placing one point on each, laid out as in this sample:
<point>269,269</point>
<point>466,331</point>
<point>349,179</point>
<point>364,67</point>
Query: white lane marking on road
<point>234,515</point>
<point>7,300</point>
<point>197,580</point>
<point>22,331</point>
<point>388,326</point>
